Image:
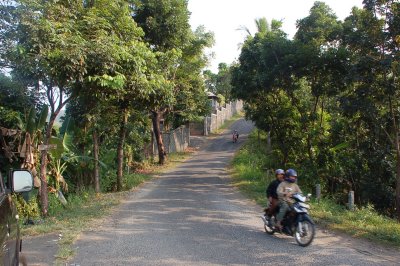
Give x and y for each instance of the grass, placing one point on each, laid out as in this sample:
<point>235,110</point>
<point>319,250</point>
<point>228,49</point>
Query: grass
<point>364,222</point>
<point>249,175</point>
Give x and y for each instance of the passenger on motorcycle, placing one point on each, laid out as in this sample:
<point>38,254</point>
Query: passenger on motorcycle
<point>272,196</point>
<point>235,135</point>
<point>285,190</point>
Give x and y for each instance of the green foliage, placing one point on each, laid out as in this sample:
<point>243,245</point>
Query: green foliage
<point>43,117</point>
<point>133,180</point>
<point>9,118</point>
<point>364,222</point>
<point>210,80</point>
<point>15,100</point>
<point>27,209</point>
<point>319,27</point>
<point>220,83</point>
<point>108,182</point>
<point>329,99</point>
<point>191,97</point>
<point>165,23</point>
<point>175,86</point>
<point>55,205</point>
<point>221,99</point>
<point>31,122</point>
<point>59,150</point>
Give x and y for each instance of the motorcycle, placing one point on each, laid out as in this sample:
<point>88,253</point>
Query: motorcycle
<point>235,137</point>
<point>296,223</point>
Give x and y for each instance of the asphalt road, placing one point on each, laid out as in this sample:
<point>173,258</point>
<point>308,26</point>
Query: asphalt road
<point>193,216</point>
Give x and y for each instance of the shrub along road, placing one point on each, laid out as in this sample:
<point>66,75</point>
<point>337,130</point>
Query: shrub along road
<point>191,215</point>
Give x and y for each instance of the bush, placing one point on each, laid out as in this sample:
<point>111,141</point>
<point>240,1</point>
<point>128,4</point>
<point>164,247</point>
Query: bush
<point>108,181</point>
<point>55,205</point>
<point>133,180</point>
<point>27,210</point>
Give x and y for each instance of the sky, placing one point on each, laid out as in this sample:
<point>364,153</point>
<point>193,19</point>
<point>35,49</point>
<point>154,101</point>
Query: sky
<point>225,17</point>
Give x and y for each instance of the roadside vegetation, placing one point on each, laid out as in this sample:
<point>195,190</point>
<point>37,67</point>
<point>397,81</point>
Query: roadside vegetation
<point>329,99</point>
<point>87,108</point>
<point>253,169</point>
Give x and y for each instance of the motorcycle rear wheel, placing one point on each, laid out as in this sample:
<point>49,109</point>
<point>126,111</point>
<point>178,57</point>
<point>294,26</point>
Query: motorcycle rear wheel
<point>304,233</point>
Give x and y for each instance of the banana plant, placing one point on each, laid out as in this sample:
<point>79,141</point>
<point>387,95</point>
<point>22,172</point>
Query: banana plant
<point>35,125</point>
<point>57,170</point>
<point>62,156</point>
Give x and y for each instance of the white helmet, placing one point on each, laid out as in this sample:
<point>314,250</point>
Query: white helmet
<point>279,172</point>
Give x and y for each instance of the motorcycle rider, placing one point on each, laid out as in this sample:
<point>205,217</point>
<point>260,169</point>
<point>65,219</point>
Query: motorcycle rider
<point>272,196</point>
<point>285,190</point>
<point>235,135</point>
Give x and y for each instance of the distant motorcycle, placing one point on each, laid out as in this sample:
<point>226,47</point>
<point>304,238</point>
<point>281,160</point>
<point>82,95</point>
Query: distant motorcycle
<point>235,137</point>
<point>296,223</point>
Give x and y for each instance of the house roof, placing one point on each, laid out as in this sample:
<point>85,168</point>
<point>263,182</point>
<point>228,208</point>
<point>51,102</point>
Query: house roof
<point>211,95</point>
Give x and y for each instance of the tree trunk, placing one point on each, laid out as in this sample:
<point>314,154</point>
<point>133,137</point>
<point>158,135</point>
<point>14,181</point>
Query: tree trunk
<point>152,146</point>
<point>44,198</point>
<point>156,116</point>
<point>96,161</point>
<point>396,142</point>
<point>398,187</point>
<point>120,149</point>
<point>269,143</point>
<point>44,201</point>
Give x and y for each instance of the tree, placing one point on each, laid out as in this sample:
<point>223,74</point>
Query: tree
<point>223,84</point>
<point>210,80</point>
<point>283,81</point>
<point>371,36</point>
<point>189,90</point>
<point>167,30</point>
<point>334,89</point>
<point>50,53</point>
<point>16,100</point>
<point>117,75</point>
<point>63,46</point>
<point>319,62</point>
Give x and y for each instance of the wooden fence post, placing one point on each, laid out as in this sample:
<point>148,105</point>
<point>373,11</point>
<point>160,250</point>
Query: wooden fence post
<point>351,201</point>
<point>318,192</point>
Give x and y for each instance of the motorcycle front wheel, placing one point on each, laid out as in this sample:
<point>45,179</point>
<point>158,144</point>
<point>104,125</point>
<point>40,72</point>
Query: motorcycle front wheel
<point>268,229</point>
<point>305,232</point>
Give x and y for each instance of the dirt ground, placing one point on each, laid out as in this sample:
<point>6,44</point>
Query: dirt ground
<point>40,250</point>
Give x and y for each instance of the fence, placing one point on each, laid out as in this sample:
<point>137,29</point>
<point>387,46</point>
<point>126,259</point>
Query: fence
<point>220,115</point>
<point>350,200</point>
<point>176,140</point>
<point>213,122</point>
